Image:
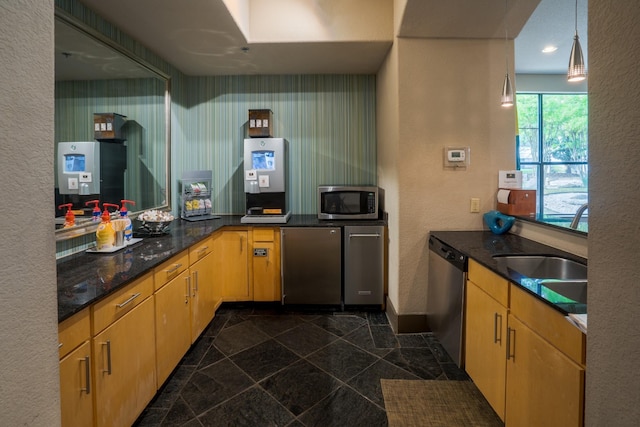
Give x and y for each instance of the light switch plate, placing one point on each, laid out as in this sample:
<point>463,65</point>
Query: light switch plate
<point>73,183</point>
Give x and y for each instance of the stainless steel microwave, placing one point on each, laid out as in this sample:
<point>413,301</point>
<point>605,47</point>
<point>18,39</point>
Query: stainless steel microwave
<point>348,202</point>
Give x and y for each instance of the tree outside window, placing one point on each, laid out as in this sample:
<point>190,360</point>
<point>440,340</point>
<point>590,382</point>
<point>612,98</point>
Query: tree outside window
<point>552,151</point>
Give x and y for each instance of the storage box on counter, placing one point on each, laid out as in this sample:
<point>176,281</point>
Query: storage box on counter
<point>108,127</point>
<point>260,124</point>
<point>517,202</point>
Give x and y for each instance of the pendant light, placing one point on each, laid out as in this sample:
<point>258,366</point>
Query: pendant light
<point>507,89</point>
<point>577,70</point>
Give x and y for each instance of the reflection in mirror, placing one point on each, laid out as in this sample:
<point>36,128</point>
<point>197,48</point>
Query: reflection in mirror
<point>95,76</point>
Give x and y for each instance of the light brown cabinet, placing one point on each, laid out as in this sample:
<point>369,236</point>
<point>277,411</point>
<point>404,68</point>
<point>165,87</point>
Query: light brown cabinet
<point>172,324</point>
<point>76,388</point>
<point>545,386</point>
<point>265,264</point>
<point>524,356</point>
<point>185,303</point>
<point>486,325</point>
<point>124,349</point>
<point>203,281</point>
<point>231,248</point>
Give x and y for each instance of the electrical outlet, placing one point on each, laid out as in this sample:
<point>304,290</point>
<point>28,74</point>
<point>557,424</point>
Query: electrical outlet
<point>475,205</point>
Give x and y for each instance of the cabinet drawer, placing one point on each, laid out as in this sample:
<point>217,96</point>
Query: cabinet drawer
<point>263,234</point>
<point>200,250</point>
<point>170,269</point>
<point>549,323</point>
<point>489,282</point>
<point>121,302</point>
<point>73,331</point>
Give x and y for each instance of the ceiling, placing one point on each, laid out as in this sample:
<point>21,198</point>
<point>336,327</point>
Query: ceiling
<point>221,37</point>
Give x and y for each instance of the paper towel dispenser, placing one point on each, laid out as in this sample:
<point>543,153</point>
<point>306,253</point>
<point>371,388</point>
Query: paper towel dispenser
<point>517,202</point>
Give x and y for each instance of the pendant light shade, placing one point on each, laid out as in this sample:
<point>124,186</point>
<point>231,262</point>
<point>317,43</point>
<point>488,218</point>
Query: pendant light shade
<point>577,70</point>
<point>507,89</point>
<point>507,92</point>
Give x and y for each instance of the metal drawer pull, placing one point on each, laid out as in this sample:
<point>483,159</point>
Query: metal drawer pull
<point>87,371</point>
<point>128,301</point>
<point>376,235</point>
<point>108,344</point>
<point>203,250</point>
<point>60,345</point>
<point>195,286</point>
<point>497,339</point>
<point>173,270</point>
<point>509,354</point>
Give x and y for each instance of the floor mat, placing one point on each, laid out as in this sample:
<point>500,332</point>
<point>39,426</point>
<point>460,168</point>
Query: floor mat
<point>429,403</point>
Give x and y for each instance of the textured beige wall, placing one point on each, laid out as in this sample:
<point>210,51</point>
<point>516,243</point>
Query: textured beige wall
<point>28,311</point>
<point>613,377</point>
<point>387,122</point>
<point>447,95</point>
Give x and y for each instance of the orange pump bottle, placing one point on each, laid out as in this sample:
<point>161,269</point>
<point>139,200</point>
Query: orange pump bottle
<point>69,218</point>
<point>106,235</point>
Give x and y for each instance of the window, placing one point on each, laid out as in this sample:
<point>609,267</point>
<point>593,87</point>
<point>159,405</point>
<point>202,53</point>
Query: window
<point>551,152</point>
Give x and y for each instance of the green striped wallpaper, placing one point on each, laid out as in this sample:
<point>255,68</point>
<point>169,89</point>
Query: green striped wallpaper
<point>328,120</point>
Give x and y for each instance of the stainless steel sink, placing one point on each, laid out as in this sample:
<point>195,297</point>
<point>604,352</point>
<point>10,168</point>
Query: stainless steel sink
<point>575,290</point>
<point>562,276</point>
<point>543,267</point>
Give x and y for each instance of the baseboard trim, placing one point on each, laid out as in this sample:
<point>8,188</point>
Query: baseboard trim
<point>406,323</point>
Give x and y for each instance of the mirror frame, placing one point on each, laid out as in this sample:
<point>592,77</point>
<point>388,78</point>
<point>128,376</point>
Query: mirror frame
<point>63,16</point>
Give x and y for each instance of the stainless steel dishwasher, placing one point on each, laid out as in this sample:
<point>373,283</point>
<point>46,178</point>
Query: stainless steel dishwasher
<point>363,263</point>
<point>445,297</point>
<point>311,265</point>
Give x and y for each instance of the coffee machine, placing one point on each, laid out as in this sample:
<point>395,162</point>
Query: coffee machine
<point>265,181</point>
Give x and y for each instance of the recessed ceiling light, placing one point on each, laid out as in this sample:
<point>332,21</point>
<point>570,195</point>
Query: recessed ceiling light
<point>549,49</point>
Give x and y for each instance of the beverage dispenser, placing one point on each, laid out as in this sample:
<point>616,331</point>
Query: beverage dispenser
<point>90,170</point>
<point>265,180</point>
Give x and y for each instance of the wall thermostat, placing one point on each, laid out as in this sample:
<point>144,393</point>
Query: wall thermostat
<point>456,157</point>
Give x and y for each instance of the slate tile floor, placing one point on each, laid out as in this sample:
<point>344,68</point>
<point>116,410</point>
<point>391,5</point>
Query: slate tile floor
<point>269,366</point>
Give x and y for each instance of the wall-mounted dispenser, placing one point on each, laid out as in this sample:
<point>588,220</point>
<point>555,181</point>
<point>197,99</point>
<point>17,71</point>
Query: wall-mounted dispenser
<point>265,176</point>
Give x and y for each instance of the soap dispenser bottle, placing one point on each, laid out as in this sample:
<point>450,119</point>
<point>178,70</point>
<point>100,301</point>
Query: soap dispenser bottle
<point>69,218</point>
<point>124,214</point>
<point>95,215</point>
<point>106,235</point>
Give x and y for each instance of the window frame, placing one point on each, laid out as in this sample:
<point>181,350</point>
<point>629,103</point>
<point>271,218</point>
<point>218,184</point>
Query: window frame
<point>541,164</point>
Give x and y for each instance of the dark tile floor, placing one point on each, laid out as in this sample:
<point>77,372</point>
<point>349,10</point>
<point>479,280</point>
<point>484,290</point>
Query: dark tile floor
<point>267,366</point>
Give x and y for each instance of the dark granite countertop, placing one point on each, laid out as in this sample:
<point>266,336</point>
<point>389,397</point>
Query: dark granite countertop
<point>483,245</point>
<point>85,278</point>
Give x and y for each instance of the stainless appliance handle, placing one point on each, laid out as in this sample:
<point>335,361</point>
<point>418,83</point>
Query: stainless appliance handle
<point>376,235</point>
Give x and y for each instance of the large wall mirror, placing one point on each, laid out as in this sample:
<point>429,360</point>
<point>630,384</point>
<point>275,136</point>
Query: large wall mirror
<point>93,75</point>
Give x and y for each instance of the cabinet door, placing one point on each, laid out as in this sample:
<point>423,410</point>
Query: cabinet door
<point>485,332</point>
<point>266,271</point>
<point>232,265</point>
<point>202,295</point>
<point>172,321</point>
<point>76,399</point>
<point>125,367</point>
<point>544,387</point>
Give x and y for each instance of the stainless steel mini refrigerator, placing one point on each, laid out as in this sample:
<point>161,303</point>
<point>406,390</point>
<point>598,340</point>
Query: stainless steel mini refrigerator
<point>363,264</point>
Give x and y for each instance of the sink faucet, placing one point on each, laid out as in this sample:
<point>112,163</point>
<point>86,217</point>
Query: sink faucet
<point>578,215</point>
